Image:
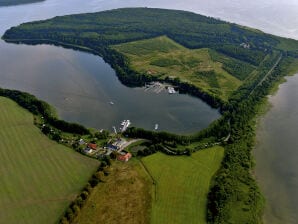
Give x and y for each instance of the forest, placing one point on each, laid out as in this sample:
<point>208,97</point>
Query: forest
<point>41,108</point>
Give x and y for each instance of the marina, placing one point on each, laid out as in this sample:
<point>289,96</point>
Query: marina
<point>158,87</point>
<point>155,87</point>
<point>171,90</point>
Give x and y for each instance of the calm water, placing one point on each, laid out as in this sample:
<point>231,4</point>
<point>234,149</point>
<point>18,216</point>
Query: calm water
<point>277,155</point>
<point>81,85</point>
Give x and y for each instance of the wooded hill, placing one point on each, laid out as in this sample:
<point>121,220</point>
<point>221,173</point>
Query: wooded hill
<point>237,49</point>
<point>191,30</point>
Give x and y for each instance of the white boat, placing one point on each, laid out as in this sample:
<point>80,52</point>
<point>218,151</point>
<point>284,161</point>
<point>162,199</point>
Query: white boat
<point>156,127</point>
<point>171,90</point>
<point>112,103</point>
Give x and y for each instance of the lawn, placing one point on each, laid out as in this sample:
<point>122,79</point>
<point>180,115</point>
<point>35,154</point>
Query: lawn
<point>162,57</point>
<point>125,197</point>
<point>182,185</point>
<point>39,177</point>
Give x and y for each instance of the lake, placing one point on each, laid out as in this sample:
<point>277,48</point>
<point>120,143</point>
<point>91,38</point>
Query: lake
<point>85,89</point>
<point>276,155</point>
<point>81,86</point>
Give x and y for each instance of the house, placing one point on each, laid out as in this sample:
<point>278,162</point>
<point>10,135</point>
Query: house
<point>81,142</point>
<point>92,146</point>
<point>125,157</point>
<point>88,150</point>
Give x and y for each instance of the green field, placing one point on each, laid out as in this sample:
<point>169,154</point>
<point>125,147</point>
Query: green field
<point>162,57</point>
<point>39,177</point>
<point>182,185</point>
<point>124,197</point>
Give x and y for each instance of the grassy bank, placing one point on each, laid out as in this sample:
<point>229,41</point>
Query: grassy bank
<point>39,177</point>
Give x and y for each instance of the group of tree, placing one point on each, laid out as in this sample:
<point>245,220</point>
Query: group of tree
<point>97,32</point>
<point>75,206</point>
<point>234,185</point>
<point>43,109</point>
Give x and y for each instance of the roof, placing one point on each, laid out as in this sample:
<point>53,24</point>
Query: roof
<point>88,150</point>
<point>113,147</point>
<point>92,146</point>
<point>125,157</point>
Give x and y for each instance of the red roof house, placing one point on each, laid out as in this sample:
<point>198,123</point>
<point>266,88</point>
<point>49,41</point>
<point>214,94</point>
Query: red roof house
<point>92,146</point>
<point>125,157</point>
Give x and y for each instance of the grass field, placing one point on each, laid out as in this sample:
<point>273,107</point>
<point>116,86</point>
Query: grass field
<point>163,57</point>
<point>182,185</point>
<point>125,197</point>
<point>38,177</point>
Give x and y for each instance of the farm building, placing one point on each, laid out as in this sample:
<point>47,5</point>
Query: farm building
<point>92,146</point>
<point>125,157</point>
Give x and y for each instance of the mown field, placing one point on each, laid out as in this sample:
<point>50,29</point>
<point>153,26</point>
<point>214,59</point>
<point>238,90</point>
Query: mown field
<point>124,197</point>
<point>39,177</point>
<point>182,185</point>
<point>163,57</point>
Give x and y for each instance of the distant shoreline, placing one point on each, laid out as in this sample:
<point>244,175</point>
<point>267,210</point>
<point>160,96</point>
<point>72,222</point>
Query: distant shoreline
<point>4,3</point>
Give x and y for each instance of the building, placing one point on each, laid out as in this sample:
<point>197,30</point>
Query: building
<point>81,142</point>
<point>125,157</point>
<point>88,150</point>
<point>112,147</point>
<point>92,146</point>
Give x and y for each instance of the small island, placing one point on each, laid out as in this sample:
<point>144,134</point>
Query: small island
<point>17,2</point>
<point>229,66</point>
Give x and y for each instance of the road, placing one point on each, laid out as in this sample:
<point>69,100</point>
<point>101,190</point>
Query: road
<point>129,143</point>
<point>268,73</point>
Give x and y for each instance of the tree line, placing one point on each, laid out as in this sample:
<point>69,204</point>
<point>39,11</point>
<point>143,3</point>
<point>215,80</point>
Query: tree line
<point>234,185</point>
<point>43,109</point>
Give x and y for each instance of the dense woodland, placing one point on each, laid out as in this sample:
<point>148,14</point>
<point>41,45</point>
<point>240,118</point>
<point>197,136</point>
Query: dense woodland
<point>96,32</point>
<point>234,196</point>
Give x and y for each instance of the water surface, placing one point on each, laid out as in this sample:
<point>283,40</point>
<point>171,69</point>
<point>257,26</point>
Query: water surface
<point>277,155</point>
<point>81,86</point>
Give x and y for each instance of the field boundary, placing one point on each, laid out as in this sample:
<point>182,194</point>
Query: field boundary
<point>154,182</point>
